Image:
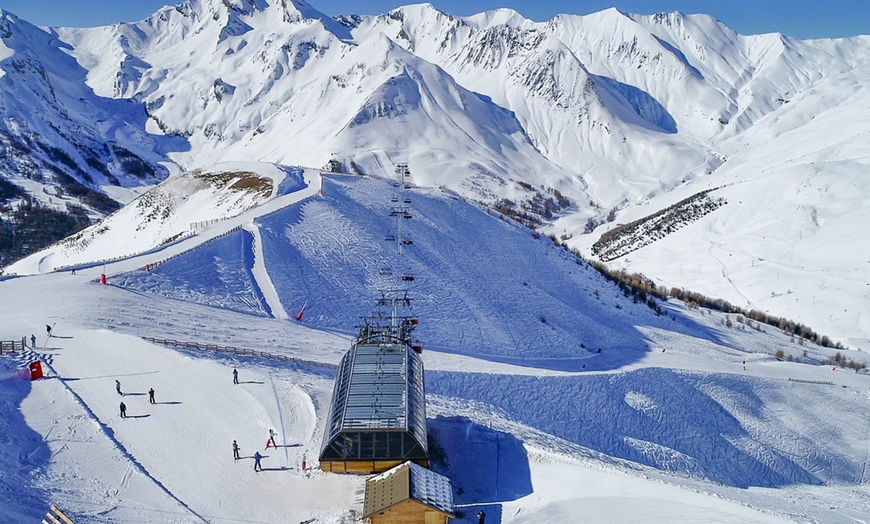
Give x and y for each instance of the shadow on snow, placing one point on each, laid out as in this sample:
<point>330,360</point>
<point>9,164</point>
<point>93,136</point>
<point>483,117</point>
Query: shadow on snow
<point>23,453</point>
<point>486,467</point>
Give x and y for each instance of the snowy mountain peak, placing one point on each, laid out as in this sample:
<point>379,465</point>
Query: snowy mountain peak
<point>501,16</point>
<point>421,10</point>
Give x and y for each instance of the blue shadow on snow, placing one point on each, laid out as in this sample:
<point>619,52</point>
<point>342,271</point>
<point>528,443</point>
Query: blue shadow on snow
<point>485,466</point>
<point>23,452</point>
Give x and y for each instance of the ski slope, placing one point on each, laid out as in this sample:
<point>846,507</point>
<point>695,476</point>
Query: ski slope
<point>664,424</point>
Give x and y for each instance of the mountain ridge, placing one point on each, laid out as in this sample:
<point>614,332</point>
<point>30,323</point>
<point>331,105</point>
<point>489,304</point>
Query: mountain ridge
<point>618,112</point>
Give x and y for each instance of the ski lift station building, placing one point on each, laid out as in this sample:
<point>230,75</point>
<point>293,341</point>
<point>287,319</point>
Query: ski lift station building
<point>377,419</point>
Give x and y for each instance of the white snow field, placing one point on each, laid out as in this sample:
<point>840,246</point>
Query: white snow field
<point>530,421</point>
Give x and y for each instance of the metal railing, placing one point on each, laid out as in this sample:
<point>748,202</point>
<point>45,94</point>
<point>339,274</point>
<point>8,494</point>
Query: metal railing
<point>825,382</point>
<point>11,346</point>
<point>238,351</point>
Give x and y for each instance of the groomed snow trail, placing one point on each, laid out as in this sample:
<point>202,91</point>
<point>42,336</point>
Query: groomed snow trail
<point>261,275</point>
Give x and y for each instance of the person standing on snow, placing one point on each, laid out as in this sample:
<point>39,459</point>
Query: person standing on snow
<point>271,440</point>
<point>235,376</point>
<point>118,387</point>
<point>33,341</point>
<point>257,457</point>
<point>235,450</point>
<point>48,329</point>
<point>123,410</point>
<point>151,396</point>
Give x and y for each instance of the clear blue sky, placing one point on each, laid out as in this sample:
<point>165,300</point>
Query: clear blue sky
<point>796,18</point>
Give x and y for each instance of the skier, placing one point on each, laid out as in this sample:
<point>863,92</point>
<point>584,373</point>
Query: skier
<point>271,440</point>
<point>33,341</point>
<point>151,396</point>
<point>481,516</point>
<point>123,410</point>
<point>73,272</point>
<point>48,329</point>
<point>118,387</point>
<point>235,376</point>
<point>235,450</point>
<point>257,457</point>
<point>744,365</point>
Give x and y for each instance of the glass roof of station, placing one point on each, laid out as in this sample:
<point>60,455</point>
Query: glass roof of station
<point>376,389</point>
<point>379,387</point>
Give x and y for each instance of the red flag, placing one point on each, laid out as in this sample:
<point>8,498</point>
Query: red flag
<point>299,315</point>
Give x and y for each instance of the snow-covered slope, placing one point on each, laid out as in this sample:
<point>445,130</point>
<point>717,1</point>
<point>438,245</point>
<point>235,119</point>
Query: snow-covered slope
<point>623,114</point>
<point>679,418</point>
<point>57,133</point>
<point>171,211</point>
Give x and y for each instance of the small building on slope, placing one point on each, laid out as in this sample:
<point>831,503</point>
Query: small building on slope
<point>408,494</point>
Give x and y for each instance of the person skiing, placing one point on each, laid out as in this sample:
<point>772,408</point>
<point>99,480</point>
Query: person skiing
<point>235,376</point>
<point>118,387</point>
<point>235,450</point>
<point>123,410</point>
<point>257,457</point>
<point>33,341</point>
<point>271,440</point>
<point>48,329</point>
<point>151,396</point>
